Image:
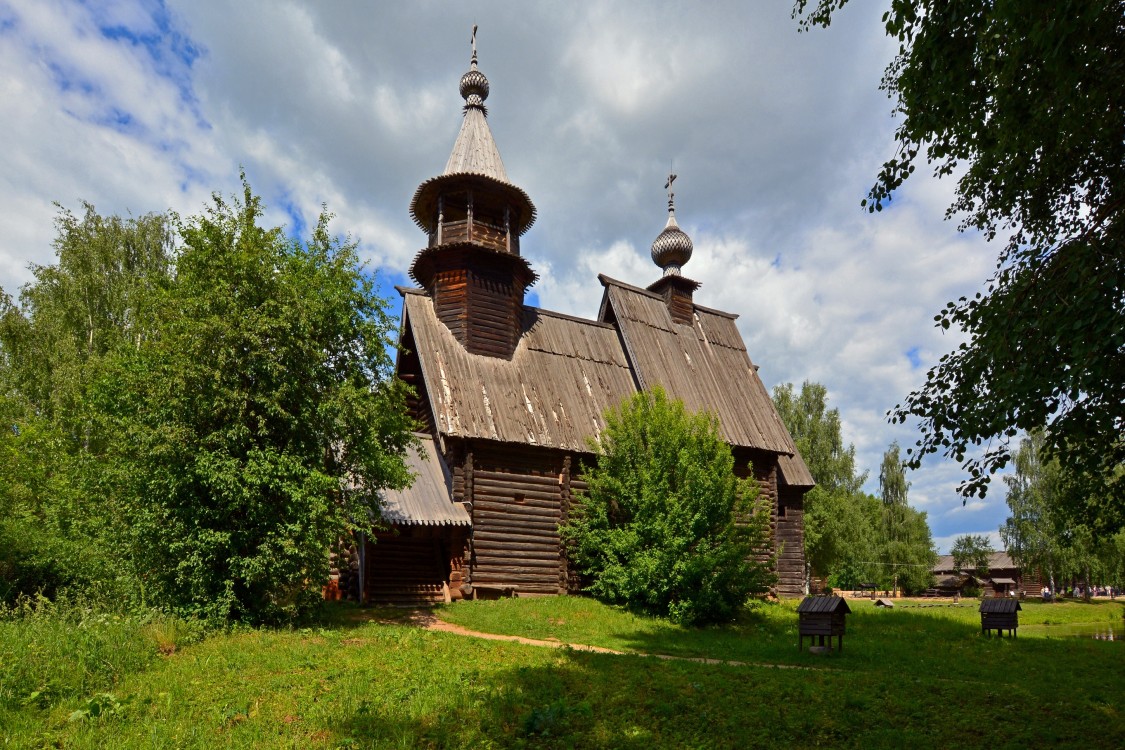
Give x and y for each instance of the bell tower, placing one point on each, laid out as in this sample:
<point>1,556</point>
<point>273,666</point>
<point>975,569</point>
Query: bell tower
<point>474,218</point>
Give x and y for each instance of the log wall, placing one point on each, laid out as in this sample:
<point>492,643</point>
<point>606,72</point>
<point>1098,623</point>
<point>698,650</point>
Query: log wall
<point>519,495</point>
<point>789,535</point>
<point>481,304</point>
<point>494,314</point>
<point>786,518</point>
<point>680,306</point>
<point>409,565</point>
<point>577,486</point>
<point>450,294</point>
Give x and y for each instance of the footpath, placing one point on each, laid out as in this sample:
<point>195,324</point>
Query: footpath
<point>428,621</point>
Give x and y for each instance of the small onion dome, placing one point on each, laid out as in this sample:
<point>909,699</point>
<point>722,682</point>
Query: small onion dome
<point>672,247</point>
<point>474,86</point>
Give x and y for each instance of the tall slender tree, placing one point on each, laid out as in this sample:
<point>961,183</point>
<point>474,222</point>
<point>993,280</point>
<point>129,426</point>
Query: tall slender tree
<point>1030,533</point>
<point>836,529</point>
<point>893,489</point>
<point>75,315</point>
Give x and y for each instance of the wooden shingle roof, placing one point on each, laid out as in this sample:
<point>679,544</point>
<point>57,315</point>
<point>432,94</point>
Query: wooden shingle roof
<point>705,365</point>
<point>474,151</point>
<point>999,606</point>
<point>822,604</point>
<point>996,561</point>
<point>429,500</point>
<point>564,375</point>
<point>567,372</point>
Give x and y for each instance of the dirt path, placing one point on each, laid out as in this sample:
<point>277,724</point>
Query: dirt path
<point>428,621</point>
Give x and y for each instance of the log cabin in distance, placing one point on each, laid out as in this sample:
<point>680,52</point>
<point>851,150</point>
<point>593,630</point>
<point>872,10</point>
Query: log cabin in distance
<point>510,395</point>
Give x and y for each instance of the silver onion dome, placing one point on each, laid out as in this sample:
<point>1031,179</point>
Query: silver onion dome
<point>672,248</point>
<point>474,86</point>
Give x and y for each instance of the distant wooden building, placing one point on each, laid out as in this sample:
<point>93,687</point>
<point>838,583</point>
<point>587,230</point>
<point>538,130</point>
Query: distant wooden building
<point>1004,577</point>
<point>510,395</point>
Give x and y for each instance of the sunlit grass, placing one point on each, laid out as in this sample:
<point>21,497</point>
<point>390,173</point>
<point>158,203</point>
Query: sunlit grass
<point>917,676</point>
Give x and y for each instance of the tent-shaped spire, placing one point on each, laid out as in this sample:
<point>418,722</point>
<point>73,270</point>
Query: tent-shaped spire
<point>475,160</point>
<point>474,151</point>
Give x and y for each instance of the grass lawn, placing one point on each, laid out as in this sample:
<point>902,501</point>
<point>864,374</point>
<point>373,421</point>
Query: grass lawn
<point>917,675</point>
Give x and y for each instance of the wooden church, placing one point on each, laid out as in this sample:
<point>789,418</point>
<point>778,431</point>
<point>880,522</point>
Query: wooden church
<point>509,395</point>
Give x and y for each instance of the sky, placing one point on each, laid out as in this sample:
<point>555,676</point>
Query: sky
<point>775,135</point>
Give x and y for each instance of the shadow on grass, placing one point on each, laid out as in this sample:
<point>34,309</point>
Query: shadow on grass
<point>900,672</point>
<point>592,700</point>
<point>345,615</point>
<point>357,682</point>
<point>575,699</point>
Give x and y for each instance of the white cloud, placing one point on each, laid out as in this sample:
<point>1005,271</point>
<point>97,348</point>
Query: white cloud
<point>945,543</point>
<point>776,136</point>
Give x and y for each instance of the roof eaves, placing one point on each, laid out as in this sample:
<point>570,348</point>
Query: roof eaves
<point>427,377</point>
<point>713,311</point>
<point>429,185</point>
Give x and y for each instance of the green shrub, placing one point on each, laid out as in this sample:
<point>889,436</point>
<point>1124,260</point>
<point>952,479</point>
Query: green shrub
<point>665,526</point>
<point>184,405</point>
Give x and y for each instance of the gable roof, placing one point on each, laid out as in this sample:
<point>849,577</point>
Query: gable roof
<point>794,471</point>
<point>566,372</point>
<point>564,375</point>
<point>704,364</point>
<point>999,606</point>
<point>822,604</point>
<point>997,561</point>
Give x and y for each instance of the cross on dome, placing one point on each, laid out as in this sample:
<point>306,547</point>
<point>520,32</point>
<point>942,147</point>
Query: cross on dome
<point>672,248</point>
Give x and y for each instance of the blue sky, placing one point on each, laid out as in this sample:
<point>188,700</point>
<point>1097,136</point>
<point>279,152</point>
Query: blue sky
<point>776,136</point>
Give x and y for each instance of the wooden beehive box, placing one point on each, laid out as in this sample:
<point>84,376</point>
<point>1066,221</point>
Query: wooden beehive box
<point>822,616</point>
<point>999,615</point>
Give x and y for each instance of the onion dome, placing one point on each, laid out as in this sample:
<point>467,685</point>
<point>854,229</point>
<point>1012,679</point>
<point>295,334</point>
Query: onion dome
<point>672,248</point>
<point>474,85</point>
